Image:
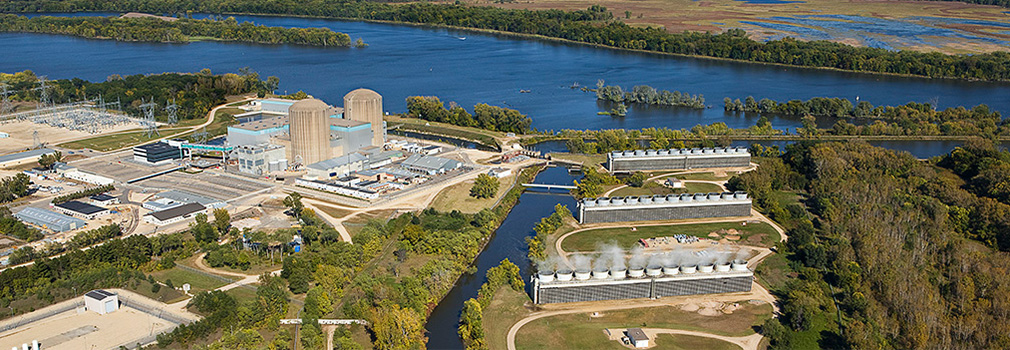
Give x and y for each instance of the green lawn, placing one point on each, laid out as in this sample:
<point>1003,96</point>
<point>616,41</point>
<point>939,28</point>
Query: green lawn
<point>117,141</point>
<point>690,342</point>
<point>580,331</point>
<point>700,176</point>
<point>198,282</point>
<point>773,272</point>
<point>587,160</point>
<point>242,294</point>
<point>653,188</point>
<point>760,234</point>
<point>506,309</point>
<point>457,197</point>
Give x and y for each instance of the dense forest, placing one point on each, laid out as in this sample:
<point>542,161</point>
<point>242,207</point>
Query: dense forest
<point>174,31</point>
<point>195,94</point>
<point>484,116</point>
<point>595,26</point>
<point>888,252</point>
<point>644,94</point>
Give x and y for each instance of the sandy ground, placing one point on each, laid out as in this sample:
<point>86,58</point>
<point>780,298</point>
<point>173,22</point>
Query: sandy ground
<point>76,329</point>
<point>22,131</point>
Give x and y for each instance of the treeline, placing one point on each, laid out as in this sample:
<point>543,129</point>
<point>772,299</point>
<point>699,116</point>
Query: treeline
<point>603,141</point>
<point>471,325</point>
<point>177,31</point>
<point>195,94</point>
<point>81,240</point>
<point>11,226</point>
<point>882,250</point>
<point>484,116</point>
<point>537,243</point>
<point>592,26</point>
<point>14,187</point>
<point>644,94</point>
<point>83,193</point>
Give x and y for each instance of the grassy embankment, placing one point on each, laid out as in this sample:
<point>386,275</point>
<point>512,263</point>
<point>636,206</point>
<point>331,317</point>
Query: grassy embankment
<point>581,331</point>
<point>485,137</point>
<point>457,197</point>
<point>758,234</point>
<point>652,187</point>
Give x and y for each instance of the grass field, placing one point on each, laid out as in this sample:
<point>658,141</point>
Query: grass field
<point>580,331</point>
<point>117,141</point>
<point>700,176</point>
<point>197,281</point>
<point>457,197</point>
<point>585,159</point>
<point>506,309</point>
<point>913,25</point>
<point>760,234</point>
<point>652,188</point>
<point>242,294</point>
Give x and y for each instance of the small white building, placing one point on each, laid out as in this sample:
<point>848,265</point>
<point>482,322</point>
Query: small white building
<point>500,172</point>
<point>638,338</point>
<point>674,183</point>
<point>101,301</point>
<point>104,200</point>
<point>88,178</point>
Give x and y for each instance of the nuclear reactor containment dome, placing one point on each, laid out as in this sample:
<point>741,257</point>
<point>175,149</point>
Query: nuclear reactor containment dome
<point>366,106</point>
<point>310,131</point>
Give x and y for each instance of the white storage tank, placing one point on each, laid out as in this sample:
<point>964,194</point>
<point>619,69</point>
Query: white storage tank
<point>636,271</point>
<point>688,269</point>
<point>654,270</point>
<point>722,267</point>
<point>601,273</point>
<point>546,276</point>
<point>583,274</point>
<point>671,270</point>
<point>564,275</point>
<point>706,268</point>
<point>618,272</point>
<point>740,265</point>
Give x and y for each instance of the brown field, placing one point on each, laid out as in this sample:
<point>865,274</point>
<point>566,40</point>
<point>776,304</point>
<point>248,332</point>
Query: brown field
<point>719,15</point>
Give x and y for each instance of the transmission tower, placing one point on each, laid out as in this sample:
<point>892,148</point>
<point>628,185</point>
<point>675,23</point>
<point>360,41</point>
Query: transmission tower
<point>201,136</point>
<point>151,128</point>
<point>36,142</point>
<point>44,92</point>
<point>5,104</point>
<point>172,108</point>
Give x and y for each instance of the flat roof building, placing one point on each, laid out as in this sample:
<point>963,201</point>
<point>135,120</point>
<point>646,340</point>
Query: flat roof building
<point>101,301</point>
<point>175,214</point>
<point>81,210</point>
<point>158,153</point>
<point>49,220</point>
<point>187,197</point>
<point>638,338</point>
<point>672,159</point>
<point>104,199</point>
<point>337,167</point>
<point>258,131</point>
<point>260,159</point>
<point>429,165</point>
<point>26,157</point>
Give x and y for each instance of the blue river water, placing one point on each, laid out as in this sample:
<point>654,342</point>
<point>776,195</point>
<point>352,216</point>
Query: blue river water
<point>471,68</point>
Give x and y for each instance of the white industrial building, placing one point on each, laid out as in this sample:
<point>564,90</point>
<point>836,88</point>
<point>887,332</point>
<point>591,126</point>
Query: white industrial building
<point>88,178</point>
<point>101,301</point>
<point>638,338</point>
<point>429,165</point>
<point>25,157</point>
<point>500,172</point>
<point>103,199</point>
<point>261,159</point>
<point>353,191</point>
<point>175,214</point>
<point>81,210</point>
<point>337,167</point>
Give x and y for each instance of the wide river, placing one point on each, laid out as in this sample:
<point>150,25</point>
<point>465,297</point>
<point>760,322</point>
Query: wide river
<point>471,68</point>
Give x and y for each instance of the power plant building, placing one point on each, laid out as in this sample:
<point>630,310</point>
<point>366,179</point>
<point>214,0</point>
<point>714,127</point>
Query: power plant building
<point>663,207</point>
<point>653,281</point>
<point>366,106</point>
<point>261,159</point>
<point>337,167</point>
<point>258,131</point>
<point>310,131</point>
<point>348,136</point>
<point>672,159</point>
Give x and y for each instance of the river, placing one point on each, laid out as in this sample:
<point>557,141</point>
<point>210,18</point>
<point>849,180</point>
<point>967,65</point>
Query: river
<point>509,241</point>
<point>471,68</point>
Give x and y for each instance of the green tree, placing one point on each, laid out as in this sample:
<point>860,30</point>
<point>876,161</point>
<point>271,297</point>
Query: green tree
<point>294,201</point>
<point>471,328</point>
<point>222,220</point>
<point>637,179</point>
<point>486,186</point>
<point>397,328</point>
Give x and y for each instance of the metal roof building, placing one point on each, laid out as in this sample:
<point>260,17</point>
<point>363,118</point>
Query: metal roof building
<point>430,165</point>
<point>186,197</point>
<point>101,301</point>
<point>81,209</point>
<point>23,157</point>
<point>175,214</point>
<point>49,220</point>
<point>338,166</point>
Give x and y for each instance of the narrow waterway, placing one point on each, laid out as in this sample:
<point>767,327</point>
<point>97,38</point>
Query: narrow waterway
<point>509,241</point>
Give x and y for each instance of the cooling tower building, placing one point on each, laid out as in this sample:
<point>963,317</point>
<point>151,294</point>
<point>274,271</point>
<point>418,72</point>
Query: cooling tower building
<point>365,105</point>
<point>663,207</point>
<point>672,159</point>
<point>309,126</point>
<point>652,281</point>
